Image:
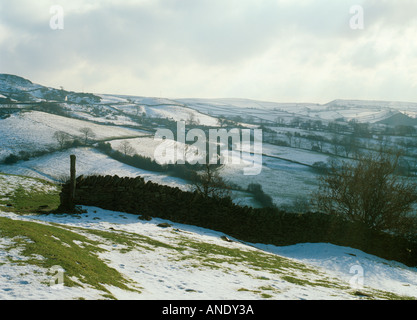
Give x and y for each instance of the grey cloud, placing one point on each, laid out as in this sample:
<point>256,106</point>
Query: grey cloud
<point>388,13</point>
<point>155,39</point>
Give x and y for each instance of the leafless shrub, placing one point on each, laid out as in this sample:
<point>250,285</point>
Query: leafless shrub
<point>368,191</point>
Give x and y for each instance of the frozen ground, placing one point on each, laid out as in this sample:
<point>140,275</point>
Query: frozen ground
<point>360,110</point>
<point>56,167</point>
<point>313,271</point>
<point>163,275</point>
<point>32,131</point>
<point>168,274</point>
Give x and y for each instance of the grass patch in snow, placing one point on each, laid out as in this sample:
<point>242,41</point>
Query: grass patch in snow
<point>62,247</point>
<point>257,260</point>
<point>24,202</point>
<point>29,195</point>
<point>219,257</point>
<point>130,241</point>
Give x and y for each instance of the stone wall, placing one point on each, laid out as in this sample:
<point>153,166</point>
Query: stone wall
<point>269,226</point>
<point>134,195</point>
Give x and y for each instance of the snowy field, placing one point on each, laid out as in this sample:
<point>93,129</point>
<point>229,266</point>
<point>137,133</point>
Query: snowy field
<point>10,183</point>
<point>361,111</point>
<point>158,108</point>
<point>31,131</point>
<point>311,272</point>
<point>285,181</point>
<point>145,146</point>
<point>56,167</point>
<point>162,274</point>
<point>318,271</point>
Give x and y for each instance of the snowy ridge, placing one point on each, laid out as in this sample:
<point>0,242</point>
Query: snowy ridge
<point>205,110</point>
<point>11,83</point>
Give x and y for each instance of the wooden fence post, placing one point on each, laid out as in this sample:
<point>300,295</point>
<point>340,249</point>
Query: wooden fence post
<point>72,181</point>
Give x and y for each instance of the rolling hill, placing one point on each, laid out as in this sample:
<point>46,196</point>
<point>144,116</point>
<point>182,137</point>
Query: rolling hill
<point>181,261</point>
<point>102,254</point>
<point>399,119</point>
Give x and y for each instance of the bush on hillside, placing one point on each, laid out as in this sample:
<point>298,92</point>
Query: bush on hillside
<point>11,159</point>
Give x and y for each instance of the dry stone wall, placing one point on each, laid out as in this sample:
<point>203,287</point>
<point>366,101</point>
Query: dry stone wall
<point>271,226</point>
<point>134,195</point>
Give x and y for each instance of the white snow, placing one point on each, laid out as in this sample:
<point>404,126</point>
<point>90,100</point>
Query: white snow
<point>162,273</point>
<point>285,176</point>
<point>31,131</point>
<point>161,277</point>
<point>10,183</point>
<point>56,167</point>
<point>342,262</point>
<point>360,110</point>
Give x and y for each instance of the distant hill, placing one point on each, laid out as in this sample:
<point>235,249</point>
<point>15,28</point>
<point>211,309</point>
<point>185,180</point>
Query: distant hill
<point>107,106</point>
<point>24,90</point>
<point>399,119</point>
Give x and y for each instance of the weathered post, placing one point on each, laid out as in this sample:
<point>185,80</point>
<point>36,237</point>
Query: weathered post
<point>72,181</point>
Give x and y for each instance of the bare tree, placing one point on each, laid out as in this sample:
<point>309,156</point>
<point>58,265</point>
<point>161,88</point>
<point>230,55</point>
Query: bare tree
<point>222,121</point>
<point>368,191</point>
<point>63,138</point>
<point>349,145</point>
<point>126,148</point>
<point>87,134</point>
<point>209,183</point>
<point>335,144</point>
<point>289,137</point>
<point>192,120</point>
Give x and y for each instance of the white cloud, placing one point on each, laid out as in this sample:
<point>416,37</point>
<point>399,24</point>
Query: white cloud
<point>272,49</point>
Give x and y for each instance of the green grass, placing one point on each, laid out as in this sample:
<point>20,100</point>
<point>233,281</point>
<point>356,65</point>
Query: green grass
<point>56,245</point>
<point>254,259</point>
<point>129,241</point>
<point>218,257</point>
<point>25,202</point>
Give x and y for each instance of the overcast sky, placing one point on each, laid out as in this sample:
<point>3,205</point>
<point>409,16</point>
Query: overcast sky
<point>275,50</point>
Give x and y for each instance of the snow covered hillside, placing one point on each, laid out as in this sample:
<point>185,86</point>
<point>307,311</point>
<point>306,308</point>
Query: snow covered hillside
<point>55,167</point>
<point>361,111</point>
<point>203,111</point>
<point>159,259</point>
<point>40,127</point>
<point>296,136</point>
<point>35,130</point>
